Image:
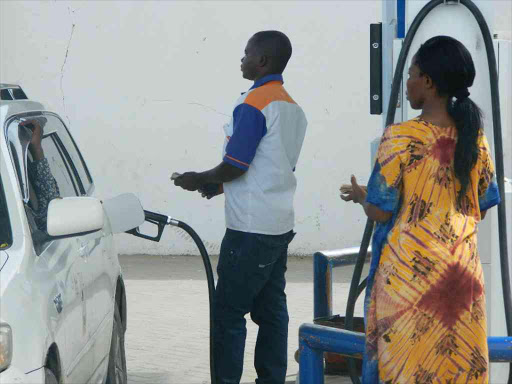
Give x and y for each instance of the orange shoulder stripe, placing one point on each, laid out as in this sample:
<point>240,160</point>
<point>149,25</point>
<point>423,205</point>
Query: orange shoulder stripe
<point>236,160</point>
<point>266,94</point>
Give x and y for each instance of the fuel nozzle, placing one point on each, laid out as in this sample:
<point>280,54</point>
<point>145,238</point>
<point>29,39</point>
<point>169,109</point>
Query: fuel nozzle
<point>157,219</point>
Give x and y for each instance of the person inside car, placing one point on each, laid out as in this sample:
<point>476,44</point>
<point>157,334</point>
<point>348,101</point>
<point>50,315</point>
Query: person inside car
<point>42,185</point>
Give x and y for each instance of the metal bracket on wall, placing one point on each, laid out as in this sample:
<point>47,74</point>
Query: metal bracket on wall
<point>376,69</point>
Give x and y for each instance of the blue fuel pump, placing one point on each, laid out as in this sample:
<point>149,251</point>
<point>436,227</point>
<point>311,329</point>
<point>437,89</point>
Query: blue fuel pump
<point>357,286</point>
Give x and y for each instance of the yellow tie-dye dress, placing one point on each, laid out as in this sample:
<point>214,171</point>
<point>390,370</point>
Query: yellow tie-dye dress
<point>425,303</point>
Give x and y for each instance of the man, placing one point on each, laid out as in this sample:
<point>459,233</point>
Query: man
<point>262,146</point>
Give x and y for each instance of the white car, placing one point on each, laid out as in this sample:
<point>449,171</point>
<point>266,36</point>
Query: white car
<point>62,297</point>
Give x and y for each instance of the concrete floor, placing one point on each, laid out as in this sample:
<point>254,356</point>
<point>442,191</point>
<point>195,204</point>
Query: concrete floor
<point>167,336</point>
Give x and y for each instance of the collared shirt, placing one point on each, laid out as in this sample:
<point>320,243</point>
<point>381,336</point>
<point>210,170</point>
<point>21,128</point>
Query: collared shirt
<point>264,137</point>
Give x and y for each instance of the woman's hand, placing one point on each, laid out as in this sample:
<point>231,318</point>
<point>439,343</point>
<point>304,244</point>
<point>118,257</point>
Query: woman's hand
<point>357,194</point>
<point>34,146</point>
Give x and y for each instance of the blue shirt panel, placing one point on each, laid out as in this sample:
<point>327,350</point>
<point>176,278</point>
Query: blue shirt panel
<point>249,127</point>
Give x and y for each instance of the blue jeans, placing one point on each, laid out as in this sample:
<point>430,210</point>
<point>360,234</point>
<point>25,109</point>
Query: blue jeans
<point>251,280</point>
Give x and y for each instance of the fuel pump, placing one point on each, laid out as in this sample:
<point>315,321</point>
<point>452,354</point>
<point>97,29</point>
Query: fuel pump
<point>382,53</point>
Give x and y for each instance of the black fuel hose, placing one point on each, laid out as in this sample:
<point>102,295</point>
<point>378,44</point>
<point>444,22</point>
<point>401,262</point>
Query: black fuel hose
<point>355,291</point>
<point>161,221</point>
<point>211,289</point>
<point>498,150</point>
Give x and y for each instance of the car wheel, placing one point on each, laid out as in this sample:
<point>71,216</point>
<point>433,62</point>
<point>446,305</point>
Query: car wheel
<point>116,373</point>
<point>49,377</point>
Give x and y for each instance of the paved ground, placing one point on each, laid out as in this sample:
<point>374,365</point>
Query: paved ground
<point>167,337</point>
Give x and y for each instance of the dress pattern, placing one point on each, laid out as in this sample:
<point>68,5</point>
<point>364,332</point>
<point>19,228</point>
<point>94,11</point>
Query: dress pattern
<point>425,303</point>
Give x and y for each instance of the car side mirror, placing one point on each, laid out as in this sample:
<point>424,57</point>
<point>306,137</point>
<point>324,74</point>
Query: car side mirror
<point>74,216</point>
<point>124,212</point>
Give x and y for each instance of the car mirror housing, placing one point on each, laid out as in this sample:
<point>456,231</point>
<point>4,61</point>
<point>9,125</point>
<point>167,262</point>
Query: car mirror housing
<point>74,216</point>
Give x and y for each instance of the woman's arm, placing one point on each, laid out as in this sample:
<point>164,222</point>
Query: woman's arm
<point>376,214</point>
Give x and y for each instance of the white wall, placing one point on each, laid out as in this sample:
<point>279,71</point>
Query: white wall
<point>147,86</point>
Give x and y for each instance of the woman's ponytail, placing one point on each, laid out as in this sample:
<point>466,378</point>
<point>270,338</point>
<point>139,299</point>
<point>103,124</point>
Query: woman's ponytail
<point>468,120</point>
<point>451,68</point>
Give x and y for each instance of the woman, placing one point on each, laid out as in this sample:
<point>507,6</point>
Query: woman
<point>43,186</point>
<point>431,185</point>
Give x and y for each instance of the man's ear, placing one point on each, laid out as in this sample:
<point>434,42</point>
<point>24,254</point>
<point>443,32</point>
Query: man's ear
<point>263,61</point>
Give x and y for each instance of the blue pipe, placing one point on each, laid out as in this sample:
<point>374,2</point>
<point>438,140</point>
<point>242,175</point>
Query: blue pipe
<point>400,15</point>
<point>314,340</point>
<point>500,349</point>
<point>323,263</point>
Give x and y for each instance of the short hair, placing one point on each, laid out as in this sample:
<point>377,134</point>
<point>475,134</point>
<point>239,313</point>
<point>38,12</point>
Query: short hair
<point>274,44</point>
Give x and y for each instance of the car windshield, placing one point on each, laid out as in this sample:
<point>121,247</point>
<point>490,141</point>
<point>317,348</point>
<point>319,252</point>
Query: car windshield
<point>5,225</point>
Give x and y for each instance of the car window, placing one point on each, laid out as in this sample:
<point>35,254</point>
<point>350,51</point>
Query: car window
<point>5,95</point>
<point>71,150</point>
<point>5,225</point>
<point>44,168</point>
<point>60,169</point>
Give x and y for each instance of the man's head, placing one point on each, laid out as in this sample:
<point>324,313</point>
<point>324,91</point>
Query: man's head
<point>266,53</point>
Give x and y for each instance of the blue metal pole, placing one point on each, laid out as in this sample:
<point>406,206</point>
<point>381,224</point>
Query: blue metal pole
<point>315,339</point>
<point>400,15</point>
<point>500,349</point>
<point>311,364</point>
<point>330,339</point>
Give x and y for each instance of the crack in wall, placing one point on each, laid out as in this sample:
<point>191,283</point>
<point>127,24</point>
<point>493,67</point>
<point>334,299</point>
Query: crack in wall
<point>62,68</point>
<point>208,108</point>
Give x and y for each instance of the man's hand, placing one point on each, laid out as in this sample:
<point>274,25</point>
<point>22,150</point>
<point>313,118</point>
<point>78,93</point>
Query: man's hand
<point>222,173</point>
<point>209,191</point>
<point>191,181</point>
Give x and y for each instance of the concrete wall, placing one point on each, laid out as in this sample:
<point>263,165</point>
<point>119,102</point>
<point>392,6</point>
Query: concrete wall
<point>147,86</point>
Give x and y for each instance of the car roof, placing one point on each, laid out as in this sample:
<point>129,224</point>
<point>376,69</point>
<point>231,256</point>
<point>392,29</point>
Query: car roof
<point>12,92</point>
<point>3,86</point>
<point>9,108</point>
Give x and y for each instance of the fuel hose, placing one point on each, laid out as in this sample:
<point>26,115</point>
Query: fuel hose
<point>161,221</point>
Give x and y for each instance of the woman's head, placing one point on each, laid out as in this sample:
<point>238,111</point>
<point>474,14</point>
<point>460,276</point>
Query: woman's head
<point>443,68</point>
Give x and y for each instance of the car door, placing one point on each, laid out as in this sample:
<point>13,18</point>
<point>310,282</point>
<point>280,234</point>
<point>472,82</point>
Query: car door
<point>99,266</point>
<point>58,268</point>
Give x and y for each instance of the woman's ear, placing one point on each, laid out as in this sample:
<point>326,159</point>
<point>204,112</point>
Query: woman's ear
<point>429,84</point>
